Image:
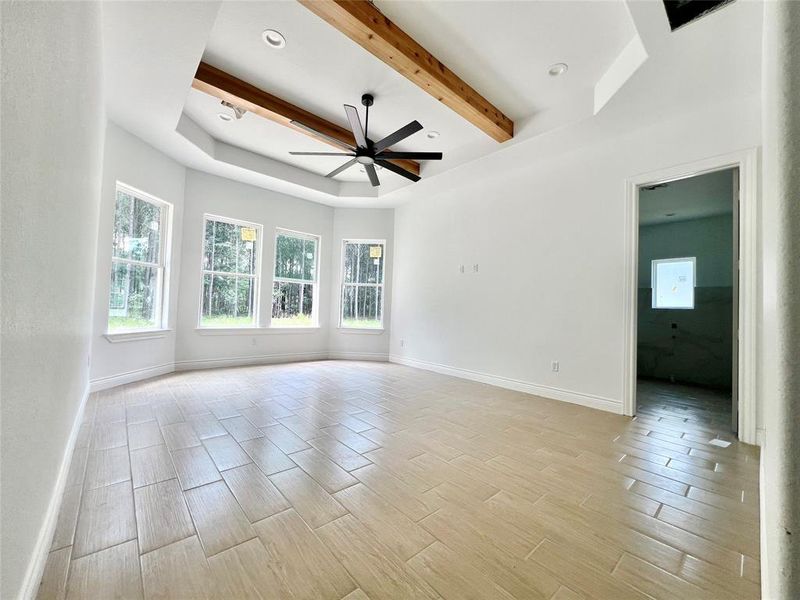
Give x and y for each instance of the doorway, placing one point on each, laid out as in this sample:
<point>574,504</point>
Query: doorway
<point>733,404</point>
<point>686,306</point>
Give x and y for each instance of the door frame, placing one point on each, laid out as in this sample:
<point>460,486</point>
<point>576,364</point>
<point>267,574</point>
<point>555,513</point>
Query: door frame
<point>747,162</point>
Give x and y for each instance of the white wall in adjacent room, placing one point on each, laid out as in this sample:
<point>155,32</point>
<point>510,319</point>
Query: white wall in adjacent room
<point>52,143</point>
<point>544,223</point>
<point>209,194</point>
<point>363,224</point>
<point>129,160</point>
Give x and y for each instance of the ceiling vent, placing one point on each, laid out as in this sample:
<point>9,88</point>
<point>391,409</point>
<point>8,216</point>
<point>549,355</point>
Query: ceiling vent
<point>683,12</point>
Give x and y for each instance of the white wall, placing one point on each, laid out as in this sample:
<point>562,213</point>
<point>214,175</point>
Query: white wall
<point>544,220</point>
<point>779,373</point>
<point>52,138</point>
<point>365,224</point>
<point>218,196</point>
<point>129,160</point>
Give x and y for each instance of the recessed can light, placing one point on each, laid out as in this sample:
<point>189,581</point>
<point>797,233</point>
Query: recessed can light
<point>432,135</point>
<point>557,69</point>
<point>225,117</point>
<point>273,38</point>
<point>669,214</point>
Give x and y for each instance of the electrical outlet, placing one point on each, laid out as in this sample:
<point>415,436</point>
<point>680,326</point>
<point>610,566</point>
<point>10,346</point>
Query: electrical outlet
<point>554,366</point>
<point>475,268</point>
<point>254,341</point>
<point>402,343</point>
<point>461,269</point>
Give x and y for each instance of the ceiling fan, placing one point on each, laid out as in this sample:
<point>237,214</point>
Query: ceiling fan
<point>366,152</point>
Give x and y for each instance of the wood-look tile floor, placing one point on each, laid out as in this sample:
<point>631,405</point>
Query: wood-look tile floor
<point>336,479</point>
<point>709,407</point>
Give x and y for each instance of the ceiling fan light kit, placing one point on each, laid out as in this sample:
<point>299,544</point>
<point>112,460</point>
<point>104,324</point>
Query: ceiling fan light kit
<point>367,153</point>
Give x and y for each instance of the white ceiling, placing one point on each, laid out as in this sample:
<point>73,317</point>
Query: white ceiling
<point>504,49</point>
<point>501,48</point>
<point>688,199</point>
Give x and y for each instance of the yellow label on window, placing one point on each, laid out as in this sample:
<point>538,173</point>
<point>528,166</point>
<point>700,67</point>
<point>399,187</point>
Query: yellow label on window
<point>248,234</point>
<point>375,251</point>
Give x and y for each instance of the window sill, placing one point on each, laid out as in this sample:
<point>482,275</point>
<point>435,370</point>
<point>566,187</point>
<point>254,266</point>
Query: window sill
<point>254,330</point>
<point>362,330</point>
<point>133,336</point>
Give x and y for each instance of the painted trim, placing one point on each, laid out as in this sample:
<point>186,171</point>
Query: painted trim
<point>110,381</point>
<point>256,330</point>
<point>762,516</point>
<point>545,391</point>
<point>747,162</point>
<point>41,550</point>
<point>376,356</point>
<point>238,361</point>
<point>132,336</point>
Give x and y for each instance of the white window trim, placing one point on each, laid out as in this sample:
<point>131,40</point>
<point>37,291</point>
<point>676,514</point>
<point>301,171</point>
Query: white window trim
<point>133,336</point>
<point>256,276</point>
<point>381,285</point>
<point>315,282</point>
<point>661,261</point>
<point>163,266</point>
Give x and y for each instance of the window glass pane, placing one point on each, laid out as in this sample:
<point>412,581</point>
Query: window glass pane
<point>362,306</point>
<point>309,260</point>
<point>229,248</point>
<point>134,293</point>
<point>673,283</point>
<point>290,257</point>
<point>228,301</point>
<point>350,262</point>
<point>363,263</point>
<point>137,229</point>
<point>292,304</point>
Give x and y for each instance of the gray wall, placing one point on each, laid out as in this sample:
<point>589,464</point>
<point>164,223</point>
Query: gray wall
<point>699,349</point>
<point>52,142</point>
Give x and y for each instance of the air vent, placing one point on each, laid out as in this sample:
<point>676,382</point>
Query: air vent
<point>683,12</point>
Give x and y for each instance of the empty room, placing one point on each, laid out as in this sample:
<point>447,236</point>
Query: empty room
<point>393,299</point>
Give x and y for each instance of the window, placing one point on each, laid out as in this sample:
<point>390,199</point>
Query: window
<point>138,261</point>
<point>362,284</point>
<point>673,281</point>
<point>294,288</point>
<point>231,255</point>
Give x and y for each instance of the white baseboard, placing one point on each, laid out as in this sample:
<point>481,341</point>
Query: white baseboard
<point>546,391</point>
<point>110,381</point>
<point>377,356</point>
<point>239,361</point>
<point>33,575</point>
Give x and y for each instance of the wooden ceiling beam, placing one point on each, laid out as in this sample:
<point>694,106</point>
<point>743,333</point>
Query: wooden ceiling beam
<point>216,82</point>
<point>363,23</point>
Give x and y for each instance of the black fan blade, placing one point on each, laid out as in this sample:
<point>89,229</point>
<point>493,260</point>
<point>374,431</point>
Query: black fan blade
<point>321,153</point>
<point>398,136</point>
<point>373,175</point>
<point>410,155</point>
<point>399,170</point>
<point>355,125</point>
<point>322,136</point>
<point>346,165</point>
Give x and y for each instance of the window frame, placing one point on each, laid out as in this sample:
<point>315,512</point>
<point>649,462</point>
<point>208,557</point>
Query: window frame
<point>315,282</point>
<point>342,283</point>
<point>653,281</point>
<point>256,276</point>
<point>162,265</point>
